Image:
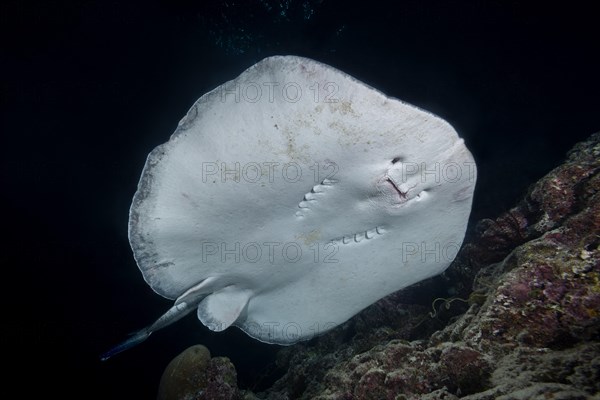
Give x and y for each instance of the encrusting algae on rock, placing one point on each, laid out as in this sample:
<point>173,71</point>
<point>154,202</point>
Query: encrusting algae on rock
<point>194,375</point>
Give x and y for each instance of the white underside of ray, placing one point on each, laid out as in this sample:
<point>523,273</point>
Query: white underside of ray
<point>371,211</point>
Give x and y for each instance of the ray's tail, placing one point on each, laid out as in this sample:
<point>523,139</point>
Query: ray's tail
<point>134,340</point>
<point>178,311</point>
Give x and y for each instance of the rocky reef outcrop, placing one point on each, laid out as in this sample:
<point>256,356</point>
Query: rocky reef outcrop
<point>194,375</point>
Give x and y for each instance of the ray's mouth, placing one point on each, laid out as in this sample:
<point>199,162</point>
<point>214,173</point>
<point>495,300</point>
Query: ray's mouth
<point>397,189</point>
<point>395,193</point>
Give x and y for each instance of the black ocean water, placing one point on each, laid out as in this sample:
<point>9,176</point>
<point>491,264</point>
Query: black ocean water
<point>89,89</point>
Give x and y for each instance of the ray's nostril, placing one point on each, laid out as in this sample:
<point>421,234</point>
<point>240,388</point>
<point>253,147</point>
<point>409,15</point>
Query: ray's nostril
<point>395,160</point>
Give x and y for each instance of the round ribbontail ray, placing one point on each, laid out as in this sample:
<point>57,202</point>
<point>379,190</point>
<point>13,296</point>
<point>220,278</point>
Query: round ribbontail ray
<point>294,196</point>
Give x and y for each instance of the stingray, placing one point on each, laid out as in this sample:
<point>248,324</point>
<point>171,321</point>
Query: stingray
<point>294,196</point>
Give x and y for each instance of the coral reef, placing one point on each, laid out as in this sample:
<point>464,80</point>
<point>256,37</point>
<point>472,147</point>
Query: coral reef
<point>194,375</point>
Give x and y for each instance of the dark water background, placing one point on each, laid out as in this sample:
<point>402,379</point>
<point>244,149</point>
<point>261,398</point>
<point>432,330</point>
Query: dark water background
<point>88,90</point>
